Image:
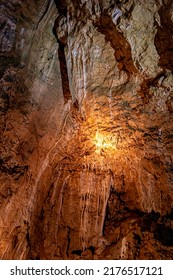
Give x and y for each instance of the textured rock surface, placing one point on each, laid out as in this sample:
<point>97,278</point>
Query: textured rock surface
<point>86,129</point>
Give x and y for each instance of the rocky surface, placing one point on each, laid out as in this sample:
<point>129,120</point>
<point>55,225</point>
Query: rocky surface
<point>86,109</point>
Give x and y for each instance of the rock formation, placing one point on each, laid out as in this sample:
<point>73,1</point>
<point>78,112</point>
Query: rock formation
<point>86,126</point>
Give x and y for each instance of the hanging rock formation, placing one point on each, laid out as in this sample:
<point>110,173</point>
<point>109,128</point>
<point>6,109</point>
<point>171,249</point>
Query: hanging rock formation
<point>86,128</point>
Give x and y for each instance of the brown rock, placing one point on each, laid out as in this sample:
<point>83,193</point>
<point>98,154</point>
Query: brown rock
<point>86,130</point>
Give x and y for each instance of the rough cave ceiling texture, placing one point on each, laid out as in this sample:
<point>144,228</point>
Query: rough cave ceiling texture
<point>86,129</point>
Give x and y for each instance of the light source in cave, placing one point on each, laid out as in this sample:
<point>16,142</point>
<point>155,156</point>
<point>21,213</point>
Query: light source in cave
<point>104,142</point>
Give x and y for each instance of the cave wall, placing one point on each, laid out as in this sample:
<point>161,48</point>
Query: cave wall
<point>86,130</point>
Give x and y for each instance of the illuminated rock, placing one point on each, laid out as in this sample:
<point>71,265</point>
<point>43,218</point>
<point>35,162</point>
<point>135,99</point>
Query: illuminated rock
<point>86,130</point>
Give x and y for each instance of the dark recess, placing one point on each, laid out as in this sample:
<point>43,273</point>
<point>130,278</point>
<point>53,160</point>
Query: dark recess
<point>163,38</point>
<point>62,9</point>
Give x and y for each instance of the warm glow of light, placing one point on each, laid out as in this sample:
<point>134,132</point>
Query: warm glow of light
<point>103,142</point>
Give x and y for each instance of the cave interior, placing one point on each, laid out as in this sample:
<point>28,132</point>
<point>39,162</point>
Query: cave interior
<point>86,130</point>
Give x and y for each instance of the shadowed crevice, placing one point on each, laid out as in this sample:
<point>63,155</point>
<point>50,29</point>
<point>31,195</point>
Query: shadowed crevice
<point>61,54</point>
<point>61,6</point>
<point>64,73</point>
<point>163,38</point>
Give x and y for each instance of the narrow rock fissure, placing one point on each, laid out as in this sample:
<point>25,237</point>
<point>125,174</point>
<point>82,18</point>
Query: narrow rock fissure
<point>163,38</point>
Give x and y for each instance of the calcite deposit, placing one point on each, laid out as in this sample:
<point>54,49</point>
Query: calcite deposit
<point>86,129</point>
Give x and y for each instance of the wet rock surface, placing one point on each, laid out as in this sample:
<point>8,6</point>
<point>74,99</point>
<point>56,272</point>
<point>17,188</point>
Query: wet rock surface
<point>86,168</point>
